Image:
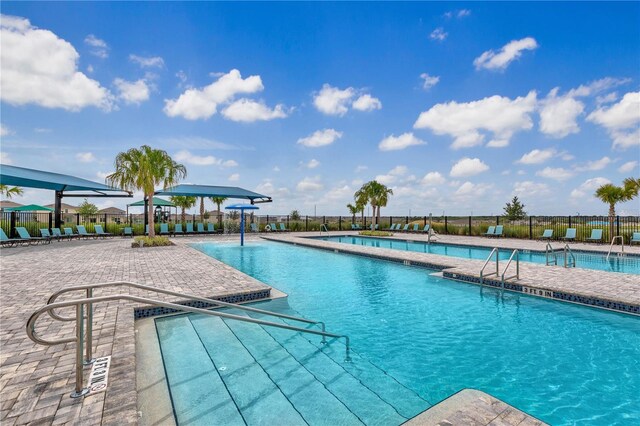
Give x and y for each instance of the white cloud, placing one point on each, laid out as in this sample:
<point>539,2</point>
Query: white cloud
<point>433,179</point>
<point>468,167</point>
<point>248,111</point>
<point>429,80</point>
<point>628,167</point>
<point>537,156</point>
<point>621,120</point>
<point>558,174</point>
<point>187,157</point>
<point>234,177</point>
<point>588,187</point>
<point>464,12</point>
<point>529,188</point>
<point>333,101</point>
<point>5,131</point>
<point>607,99</point>
<point>309,184</point>
<point>276,169</point>
<point>566,156</point>
<point>85,157</point>
<point>320,138</point>
<point>102,175</point>
<point>464,121</point>
<point>132,92</point>
<point>558,115</point>
<point>40,68</point>
<point>42,130</point>
<point>392,176</point>
<point>202,103</point>
<point>367,102</point>
<point>312,164</point>
<point>405,140</point>
<point>147,61</point>
<point>360,169</point>
<point>438,34</point>
<point>5,159</point>
<point>472,190</point>
<point>509,52</point>
<point>595,165</point>
<point>99,47</point>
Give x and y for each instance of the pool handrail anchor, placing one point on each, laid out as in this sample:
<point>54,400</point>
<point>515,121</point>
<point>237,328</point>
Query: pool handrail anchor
<point>613,240</point>
<point>550,251</point>
<point>515,253</point>
<point>569,258</point>
<point>495,250</point>
<point>80,319</point>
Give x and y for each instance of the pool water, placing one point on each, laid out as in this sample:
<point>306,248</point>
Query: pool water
<point>431,337</point>
<point>626,264</point>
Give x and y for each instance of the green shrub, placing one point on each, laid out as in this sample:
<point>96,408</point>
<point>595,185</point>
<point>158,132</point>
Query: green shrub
<point>151,242</point>
<point>375,233</point>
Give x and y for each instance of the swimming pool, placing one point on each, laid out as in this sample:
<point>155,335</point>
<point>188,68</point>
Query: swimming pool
<point>626,264</point>
<point>562,363</point>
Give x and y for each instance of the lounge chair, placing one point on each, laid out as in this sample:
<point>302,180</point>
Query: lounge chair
<point>6,241</point>
<point>570,235</point>
<point>635,238</point>
<point>24,234</point>
<point>190,229</point>
<point>490,232</point>
<point>391,228</point>
<point>69,232</point>
<point>357,227</point>
<point>59,235</point>
<point>416,228</point>
<point>100,232</point>
<point>354,227</point>
<point>273,227</point>
<point>405,228</point>
<point>164,229</point>
<point>547,234</point>
<point>596,236</point>
<point>44,233</point>
<point>283,228</point>
<point>127,231</point>
<point>211,228</point>
<point>83,232</point>
<point>178,229</point>
<point>497,232</point>
<point>200,228</point>
<point>426,228</point>
<point>254,227</point>
<point>374,228</point>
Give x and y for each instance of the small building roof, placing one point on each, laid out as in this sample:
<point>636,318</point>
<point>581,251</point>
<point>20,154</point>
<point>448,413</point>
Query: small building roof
<point>7,204</point>
<point>215,191</point>
<point>62,205</point>
<point>111,210</point>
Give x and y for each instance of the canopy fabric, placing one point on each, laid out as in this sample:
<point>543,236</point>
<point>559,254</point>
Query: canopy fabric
<point>156,202</point>
<point>29,208</point>
<point>242,207</point>
<point>30,178</point>
<point>215,191</point>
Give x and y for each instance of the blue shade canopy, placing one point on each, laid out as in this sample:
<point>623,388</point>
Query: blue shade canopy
<point>156,202</point>
<point>30,178</point>
<point>29,208</point>
<point>215,191</point>
<point>242,207</point>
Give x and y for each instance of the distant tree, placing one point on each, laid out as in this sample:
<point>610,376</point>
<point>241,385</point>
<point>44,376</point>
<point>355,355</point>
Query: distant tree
<point>86,208</point>
<point>218,202</point>
<point>353,210</point>
<point>294,215</point>
<point>184,202</point>
<point>234,214</point>
<point>612,195</point>
<point>375,194</point>
<point>10,191</point>
<point>515,210</point>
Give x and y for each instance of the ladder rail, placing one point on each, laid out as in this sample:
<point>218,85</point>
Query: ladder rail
<point>569,258</point>
<point>515,253</point>
<point>613,241</point>
<point>495,250</point>
<point>549,250</point>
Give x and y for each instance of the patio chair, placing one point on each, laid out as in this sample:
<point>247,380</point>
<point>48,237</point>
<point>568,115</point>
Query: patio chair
<point>497,232</point>
<point>357,227</point>
<point>405,228</point>
<point>24,234</point>
<point>100,232</point>
<point>164,229</point>
<point>178,229</point>
<point>547,234</point>
<point>69,232</point>
<point>283,228</point>
<point>273,227</point>
<point>254,227</point>
<point>190,229</point>
<point>200,228</point>
<point>570,235</point>
<point>127,232</point>
<point>59,235</point>
<point>392,227</point>
<point>490,232</point>
<point>426,228</point>
<point>635,238</point>
<point>596,236</point>
<point>6,241</point>
<point>416,228</point>
<point>83,232</point>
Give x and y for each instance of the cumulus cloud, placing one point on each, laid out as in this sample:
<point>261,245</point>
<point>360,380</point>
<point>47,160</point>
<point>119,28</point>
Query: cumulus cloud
<point>594,165</point>
<point>334,101</point>
<point>132,92</point>
<point>621,120</point>
<point>588,187</point>
<point>5,158</point>
<point>558,174</point>
<point>234,177</point>
<point>187,157</point>
<point>98,47</point>
<point>40,68</point>
<point>5,131</point>
<point>147,61</point>
<point>558,115</point>
<point>392,176</point>
<point>537,156</point>
<point>433,179</point>
<point>629,167</point>
<point>310,184</point>
<point>320,138</point>
<point>530,188</point>
<point>500,60</point>
<point>312,164</point>
<point>85,157</point>
<point>405,140</point>
<point>438,34</point>
<point>428,81</point>
<point>468,167</point>
<point>472,190</point>
<point>464,121</point>
<point>360,169</point>
<point>195,104</point>
<point>248,111</point>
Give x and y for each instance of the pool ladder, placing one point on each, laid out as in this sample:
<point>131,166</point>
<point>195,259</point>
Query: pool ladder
<point>551,256</point>
<point>84,337</point>
<point>613,240</point>
<point>515,254</point>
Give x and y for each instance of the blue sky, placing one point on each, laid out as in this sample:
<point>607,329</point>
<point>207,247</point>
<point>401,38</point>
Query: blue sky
<point>455,106</point>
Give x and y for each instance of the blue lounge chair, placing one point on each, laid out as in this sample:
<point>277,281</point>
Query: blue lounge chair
<point>635,238</point>
<point>127,232</point>
<point>83,232</point>
<point>254,227</point>
<point>283,228</point>
<point>200,228</point>
<point>357,227</point>
<point>416,227</point>
<point>353,227</point>
<point>596,236</point>
<point>24,234</point>
<point>211,228</point>
<point>100,232</point>
<point>59,235</point>
<point>6,241</point>
<point>190,229</point>
<point>69,232</point>
<point>497,232</point>
<point>405,228</point>
<point>490,232</point>
<point>392,227</point>
<point>273,227</point>
<point>44,233</point>
<point>426,228</point>
<point>547,234</point>
<point>570,235</point>
<point>164,229</point>
<point>178,229</point>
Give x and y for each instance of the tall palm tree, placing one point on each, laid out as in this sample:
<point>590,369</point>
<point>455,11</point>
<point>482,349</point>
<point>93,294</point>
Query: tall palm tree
<point>377,195</point>
<point>143,169</point>
<point>353,210</point>
<point>218,202</point>
<point>184,202</point>
<point>9,192</point>
<point>612,195</point>
<point>361,198</point>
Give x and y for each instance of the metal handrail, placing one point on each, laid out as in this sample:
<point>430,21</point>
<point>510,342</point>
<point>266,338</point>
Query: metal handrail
<point>548,249</point>
<point>515,253</point>
<point>567,253</point>
<point>613,241</point>
<point>324,228</point>
<point>495,250</point>
<point>79,304</point>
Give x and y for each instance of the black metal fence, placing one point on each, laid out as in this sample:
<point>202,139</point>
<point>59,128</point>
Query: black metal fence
<point>531,227</point>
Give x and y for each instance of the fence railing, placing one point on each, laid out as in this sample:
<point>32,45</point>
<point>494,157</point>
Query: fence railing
<point>531,227</point>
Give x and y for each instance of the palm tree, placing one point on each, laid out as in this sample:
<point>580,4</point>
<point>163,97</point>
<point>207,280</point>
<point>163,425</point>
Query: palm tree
<point>377,195</point>
<point>143,169</point>
<point>612,195</point>
<point>361,198</point>
<point>9,192</point>
<point>353,210</point>
<point>184,202</point>
<point>218,202</point>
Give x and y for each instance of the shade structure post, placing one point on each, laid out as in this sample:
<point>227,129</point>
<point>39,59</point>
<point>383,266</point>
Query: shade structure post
<point>57,209</point>
<point>241,228</point>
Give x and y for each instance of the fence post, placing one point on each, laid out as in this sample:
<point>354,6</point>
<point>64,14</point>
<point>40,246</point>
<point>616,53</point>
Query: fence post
<point>469,225</point>
<point>390,221</point>
<point>50,220</point>
<point>306,223</point>
<point>287,221</point>
<point>425,222</point>
<point>617,226</point>
<point>77,219</point>
<point>530,228</point>
<point>364,225</point>
<point>446,230</point>
<point>497,220</point>
<point>324,220</point>
<point>105,223</point>
<point>569,221</point>
<point>340,223</point>
<point>12,231</point>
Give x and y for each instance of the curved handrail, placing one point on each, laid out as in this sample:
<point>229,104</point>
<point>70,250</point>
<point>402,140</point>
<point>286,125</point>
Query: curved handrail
<point>486,262</point>
<point>515,253</point>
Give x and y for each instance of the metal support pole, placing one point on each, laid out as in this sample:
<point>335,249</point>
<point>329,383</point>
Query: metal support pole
<point>469,225</point>
<point>57,208</point>
<point>530,228</point>
<point>79,390</point>
<point>146,211</point>
<point>446,229</point>
<point>88,353</point>
<point>12,230</point>
<point>241,227</point>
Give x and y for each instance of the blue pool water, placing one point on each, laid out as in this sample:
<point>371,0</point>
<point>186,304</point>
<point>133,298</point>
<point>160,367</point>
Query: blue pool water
<point>431,337</point>
<point>627,264</point>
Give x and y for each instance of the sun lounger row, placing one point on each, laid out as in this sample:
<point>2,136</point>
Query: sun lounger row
<point>272,227</point>
<point>178,230</point>
<point>415,228</point>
